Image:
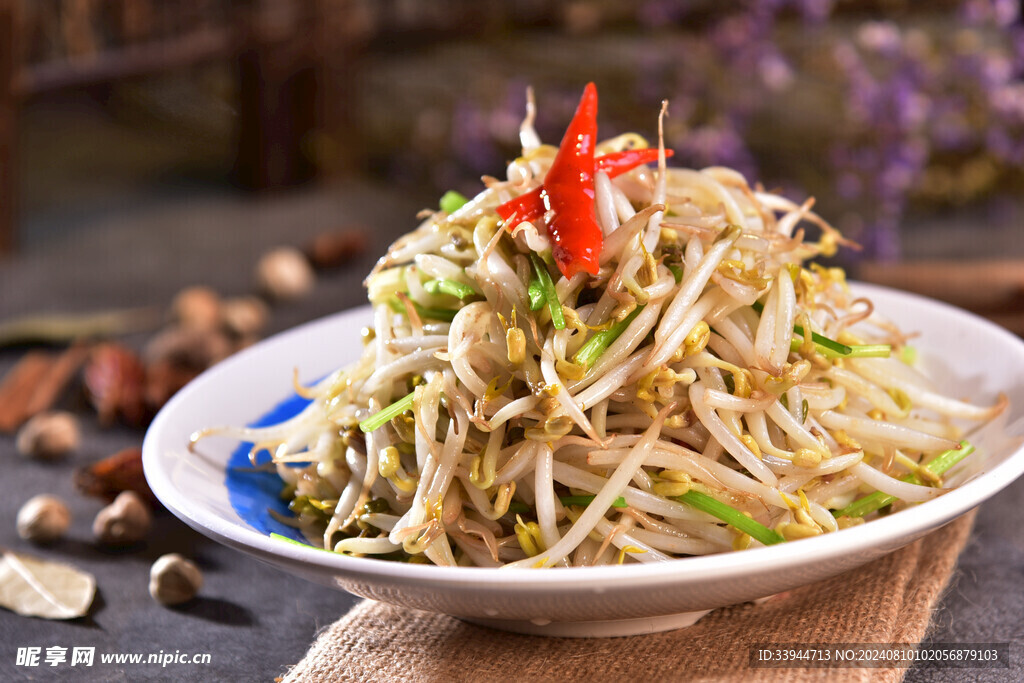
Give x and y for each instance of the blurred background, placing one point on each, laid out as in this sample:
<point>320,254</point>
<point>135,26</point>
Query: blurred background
<point>148,146</point>
<point>893,114</point>
<point>181,177</point>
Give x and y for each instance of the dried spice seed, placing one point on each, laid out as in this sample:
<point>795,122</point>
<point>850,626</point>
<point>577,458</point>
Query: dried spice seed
<point>47,436</point>
<point>115,379</point>
<point>114,474</point>
<point>125,521</point>
<point>43,519</point>
<point>285,274</point>
<point>174,580</point>
<point>190,348</point>
<point>163,380</point>
<point>197,308</point>
<point>245,316</point>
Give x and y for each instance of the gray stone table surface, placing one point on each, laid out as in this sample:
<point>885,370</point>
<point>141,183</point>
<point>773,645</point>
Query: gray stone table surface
<point>254,620</point>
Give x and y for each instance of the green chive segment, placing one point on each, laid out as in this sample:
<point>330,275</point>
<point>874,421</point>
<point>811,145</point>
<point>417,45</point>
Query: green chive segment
<point>870,351</point>
<point>827,350</point>
<point>830,348</point>
<point>445,314</point>
<point>830,344</point>
<point>731,516</point>
<point>294,542</point>
<point>579,501</point>
<point>382,417</point>
<point>536,292</point>
<point>548,287</point>
<point>451,287</point>
<point>452,201</point>
<point>599,343</point>
<point>878,500</point>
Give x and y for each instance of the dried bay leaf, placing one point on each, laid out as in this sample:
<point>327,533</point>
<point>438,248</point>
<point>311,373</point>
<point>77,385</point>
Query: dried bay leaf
<point>39,588</point>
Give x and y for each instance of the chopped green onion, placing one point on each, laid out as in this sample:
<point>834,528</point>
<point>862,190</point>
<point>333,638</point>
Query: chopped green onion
<point>677,273</point>
<point>536,293</point>
<point>830,348</point>
<point>820,340</point>
<point>878,500</point>
<point>581,501</point>
<point>858,351</point>
<point>600,342</point>
<point>294,542</point>
<point>451,287</point>
<point>908,354</point>
<point>731,516</point>
<point>452,201</point>
<point>870,351</point>
<point>445,314</point>
<point>942,462</point>
<point>548,287</point>
<point>382,417</point>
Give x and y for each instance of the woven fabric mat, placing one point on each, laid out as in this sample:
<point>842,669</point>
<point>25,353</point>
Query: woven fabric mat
<point>889,601</point>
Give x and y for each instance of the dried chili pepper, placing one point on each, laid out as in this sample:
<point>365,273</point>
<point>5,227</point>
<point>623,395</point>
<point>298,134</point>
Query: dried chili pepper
<point>115,379</point>
<point>110,476</point>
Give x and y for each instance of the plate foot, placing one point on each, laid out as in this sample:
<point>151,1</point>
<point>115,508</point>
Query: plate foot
<point>592,629</point>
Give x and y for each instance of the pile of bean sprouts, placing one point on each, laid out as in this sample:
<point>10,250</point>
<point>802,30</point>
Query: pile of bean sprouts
<point>513,443</point>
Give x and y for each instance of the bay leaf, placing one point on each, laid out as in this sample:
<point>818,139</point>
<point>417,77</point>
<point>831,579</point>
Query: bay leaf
<point>40,588</point>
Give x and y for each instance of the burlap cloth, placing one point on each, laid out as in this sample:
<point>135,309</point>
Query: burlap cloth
<point>889,601</point>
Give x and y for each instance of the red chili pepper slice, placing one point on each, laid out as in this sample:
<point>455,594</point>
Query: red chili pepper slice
<point>525,207</point>
<point>617,163</point>
<point>569,193</point>
<point>530,205</point>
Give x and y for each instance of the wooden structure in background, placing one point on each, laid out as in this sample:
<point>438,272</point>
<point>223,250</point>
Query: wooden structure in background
<point>8,123</point>
<point>50,45</point>
<point>993,289</point>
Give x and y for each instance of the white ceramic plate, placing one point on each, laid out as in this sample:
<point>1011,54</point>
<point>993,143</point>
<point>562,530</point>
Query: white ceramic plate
<point>970,357</point>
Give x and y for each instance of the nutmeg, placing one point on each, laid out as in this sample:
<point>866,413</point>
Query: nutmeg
<point>49,435</point>
<point>285,274</point>
<point>245,316</point>
<point>197,308</point>
<point>174,580</point>
<point>123,522</point>
<point>190,348</point>
<point>43,519</point>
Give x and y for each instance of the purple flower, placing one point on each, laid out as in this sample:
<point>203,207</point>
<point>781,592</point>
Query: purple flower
<point>882,37</point>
